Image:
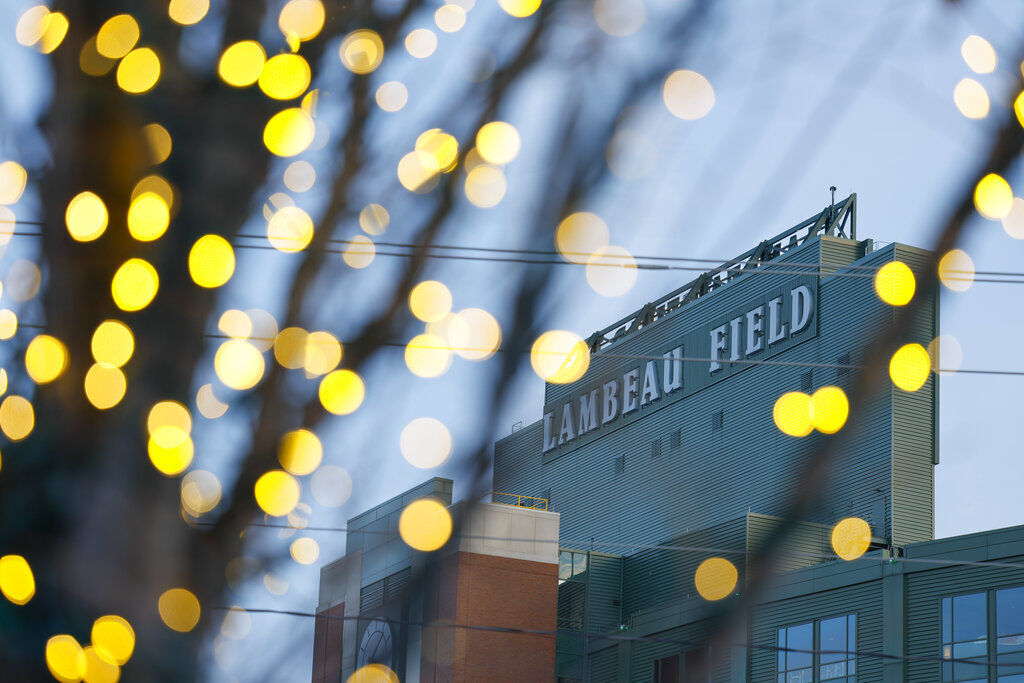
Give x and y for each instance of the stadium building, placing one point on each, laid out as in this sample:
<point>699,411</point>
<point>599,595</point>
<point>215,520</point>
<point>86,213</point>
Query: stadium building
<point>664,455</point>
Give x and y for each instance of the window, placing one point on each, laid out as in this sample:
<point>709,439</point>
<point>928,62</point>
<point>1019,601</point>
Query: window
<point>717,420</point>
<point>620,464</point>
<point>656,448</point>
<point>966,621</point>
<point>1010,633</point>
<point>824,646</point>
<point>805,381</point>
<point>666,670</point>
<point>676,439</point>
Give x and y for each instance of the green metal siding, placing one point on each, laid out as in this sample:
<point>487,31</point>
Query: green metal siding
<point>604,600</point>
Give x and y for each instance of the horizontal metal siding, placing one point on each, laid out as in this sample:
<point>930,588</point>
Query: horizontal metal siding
<point>644,653</point>
<point>604,602</point>
<point>604,666</point>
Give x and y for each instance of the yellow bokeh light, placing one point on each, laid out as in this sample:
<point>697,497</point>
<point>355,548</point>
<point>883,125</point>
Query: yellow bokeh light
<point>430,301</point>
<point>362,51</point>
<point>168,414</point>
<point>520,8</point>
<point>829,409</point>
<point>290,229</point>
<point>65,659</point>
<point>290,347</point>
<point>211,261</point>
<point>32,25</point>
<point>277,493</point>
<point>114,637</point>
<point>373,673</point>
<point>421,43</point>
<point>441,145</point>
<point>17,418</point>
<point>134,285</point>
<point>170,460</point>
<point>239,364</point>
<point>139,71</point>
<point>418,171</point>
<point>322,353</point>
<point>498,142</point>
<point>299,176</point>
<point>792,414</point>
<point>13,179</point>
<point>450,18</point>
<point>285,76</point>
<point>342,392</point>
<point>956,270</point>
<point>86,217</point>
<point>560,357</point>
<point>159,142</point>
<point>301,19</point>
<point>188,12</point>
<point>427,355</point>
<point>45,358</point>
<point>425,525</point>
<point>99,668</point>
<point>611,271</point>
<point>56,29</point>
<point>715,578</point>
<point>148,217</point>
<point>105,385</point>
<point>425,442</point>
<point>200,492</point>
<point>359,252</point>
<point>208,404</point>
<point>117,36</point>
<point>92,62</point>
<point>289,132</point>
<point>374,219</point>
<point>158,186</point>
<point>304,550</point>
<point>3,381</point>
<point>971,98</point>
<point>242,63</point>
<point>474,334</point>
<point>688,95</point>
<point>851,538</point>
<point>179,609</point>
<point>485,186</point>
<point>579,235</point>
<point>979,55</point>
<point>895,283</point>
<point>909,367</point>
<point>8,323</point>
<point>300,452</point>
<point>17,582</point>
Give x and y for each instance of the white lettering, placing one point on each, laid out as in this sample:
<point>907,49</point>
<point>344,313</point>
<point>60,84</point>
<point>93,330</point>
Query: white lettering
<point>567,432</point>
<point>802,301</point>
<point>776,328</point>
<point>717,347</point>
<point>650,392</point>
<point>610,405</point>
<point>630,383</point>
<point>672,375</point>
<point>549,439</point>
<point>735,338</point>
<point>588,412</point>
<point>755,327</point>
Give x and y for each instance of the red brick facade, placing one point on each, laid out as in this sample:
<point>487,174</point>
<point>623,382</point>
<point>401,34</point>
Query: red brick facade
<point>327,645</point>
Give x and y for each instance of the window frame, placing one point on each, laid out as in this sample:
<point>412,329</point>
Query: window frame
<point>991,639</point>
<point>781,668</point>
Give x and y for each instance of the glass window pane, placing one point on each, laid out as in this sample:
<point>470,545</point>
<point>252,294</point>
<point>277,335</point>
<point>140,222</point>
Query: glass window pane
<point>969,617</point>
<point>832,636</point>
<point>800,638</point>
<point>963,671</point>
<point>801,676</point>
<point>947,620</point>
<point>851,634</point>
<point>974,648</point>
<point>579,563</point>
<point>782,652</point>
<point>1010,611</point>
<point>1010,643</point>
<point>564,565</point>
<point>831,672</point>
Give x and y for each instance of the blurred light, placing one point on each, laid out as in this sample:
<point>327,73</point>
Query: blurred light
<point>159,141</point>
<point>688,95</point>
<point>45,358</point>
<point>418,171</point>
<point>945,354</point>
<point>485,186</point>
<point>264,329</point>
<point>208,404</point>
<point>65,659</point>
<point>23,280</point>
<point>139,71</point>
<point>851,538</point>
<point>374,219</point>
<point>275,584</point>
<point>276,202</point>
<point>134,285</point>
<point>474,334</point>
<point>92,62</point>
<point>8,323</point>
<point>362,51</point>
<point>1018,108</point>
<point>979,54</point>
<point>290,347</point>
<point>211,261</point>
<point>956,270</point>
<point>169,414</point>
<point>993,197</point>
<point>341,392</point>
<point>148,217</point>
<point>301,19</point>
<point>105,385</point>
<point>289,132</point>
<point>158,186</point>
<point>715,578</point>
<point>239,364</point>
<point>179,609</point>
<point>17,582</point>
<point>579,235</point>
<point>792,414</point>
<point>200,492</point>
<point>440,145</point>
<point>290,229</point>
<point>425,442</point>
<point>112,343</point>
<point>32,25</point>
<point>560,357</point>
<point>620,17</point>
<point>99,668</point>
<point>829,409</point>
<point>425,525</point>
<point>53,36</point>
<point>3,381</point>
<point>1013,222</point>
<point>427,355</point>
<point>611,271</point>
<point>331,486</point>
<point>373,673</point>
<point>392,96</point>
<point>895,283</point>
<point>498,142</point>
<point>17,418</point>
<point>322,353</point>
<point>304,550</point>
<point>277,493</point>
<point>421,43</point>
<point>117,36</point>
<point>450,18</point>
<point>242,63</point>
<point>86,217</point>
<point>300,452</point>
<point>631,155</point>
<point>12,182</point>
<point>237,623</point>
<point>285,76</point>
<point>359,253</point>
<point>170,460</point>
<point>909,367</point>
<point>430,301</point>
<point>188,12</point>
<point>299,176</point>
<point>114,637</point>
<point>971,99</point>
<point>520,8</point>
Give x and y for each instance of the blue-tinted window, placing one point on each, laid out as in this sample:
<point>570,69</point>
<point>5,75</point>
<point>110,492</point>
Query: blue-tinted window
<point>796,667</point>
<point>965,637</point>
<point>824,647</point>
<point>837,643</point>
<point>1010,635</point>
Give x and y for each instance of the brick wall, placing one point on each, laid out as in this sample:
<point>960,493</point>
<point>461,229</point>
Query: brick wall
<point>327,644</point>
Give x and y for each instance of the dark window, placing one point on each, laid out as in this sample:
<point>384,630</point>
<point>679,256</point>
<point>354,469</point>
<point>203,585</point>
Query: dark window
<point>666,670</point>
<point>676,439</point>
<point>844,359</point>
<point>698,660</point>
<point>656,448</point>
<point>805,380</point>
<point>717,420</point>
<point>620,464</point>
<point>964,636</point>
